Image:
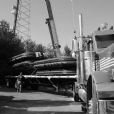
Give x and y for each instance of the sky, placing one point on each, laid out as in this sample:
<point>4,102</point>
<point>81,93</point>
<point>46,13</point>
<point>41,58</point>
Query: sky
<point>94,12</point>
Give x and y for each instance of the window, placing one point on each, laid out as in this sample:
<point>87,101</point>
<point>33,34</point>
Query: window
<point>103,41</point>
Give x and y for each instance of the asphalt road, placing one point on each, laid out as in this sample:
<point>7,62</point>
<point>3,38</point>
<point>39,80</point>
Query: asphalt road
<point>34,102</point>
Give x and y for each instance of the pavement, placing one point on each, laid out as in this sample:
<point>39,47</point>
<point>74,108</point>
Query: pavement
<point>36,102</point>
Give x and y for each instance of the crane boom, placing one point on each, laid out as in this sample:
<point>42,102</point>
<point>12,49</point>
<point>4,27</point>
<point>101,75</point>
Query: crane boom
<point>52,30</point>
<point>16,8</point>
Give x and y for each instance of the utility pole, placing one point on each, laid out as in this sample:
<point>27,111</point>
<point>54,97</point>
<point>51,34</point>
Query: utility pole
<point>81,50</point>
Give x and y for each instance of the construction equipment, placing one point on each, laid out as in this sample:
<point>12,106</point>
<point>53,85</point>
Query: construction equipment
<point>16,8</point>
<point>57,71</point>
<point>95,70</point>
<point>52,30</point>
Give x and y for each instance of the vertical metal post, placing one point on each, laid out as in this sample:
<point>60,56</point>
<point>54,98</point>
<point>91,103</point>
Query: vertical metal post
<point>81,53</point>
<point>78,62</point>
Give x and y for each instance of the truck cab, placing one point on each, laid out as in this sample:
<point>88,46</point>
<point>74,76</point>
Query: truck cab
<point>100,82</point>
<point>95,72</point>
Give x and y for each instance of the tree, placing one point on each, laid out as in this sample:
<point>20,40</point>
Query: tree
<point>67,51</point>
<point>40,48</point>
<point>46,52</point>
<point>10,45</point>
<point>50,51</point>
<point>29,45</point>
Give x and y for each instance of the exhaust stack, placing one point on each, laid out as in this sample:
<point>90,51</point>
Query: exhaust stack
<point>81,54</point>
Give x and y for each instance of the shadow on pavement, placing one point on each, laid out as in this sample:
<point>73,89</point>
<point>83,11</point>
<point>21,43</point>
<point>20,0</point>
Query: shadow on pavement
<point>38,103</point>
<point>5,99</point>
<point>10,105</point>
<point>41,89</point>
<point>47,112</point>
<point>6,89</point>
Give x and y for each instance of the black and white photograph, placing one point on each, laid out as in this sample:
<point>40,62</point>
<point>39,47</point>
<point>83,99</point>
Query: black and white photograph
<point>56,57</point>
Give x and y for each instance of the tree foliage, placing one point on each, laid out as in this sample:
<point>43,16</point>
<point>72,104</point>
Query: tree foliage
<point>10,45</point>
<point>50,51</point>
<point>29,45</point>
<point>40,48</point>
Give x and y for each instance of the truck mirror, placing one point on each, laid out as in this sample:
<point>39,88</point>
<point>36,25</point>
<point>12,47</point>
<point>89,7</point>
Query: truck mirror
<point>74,45</point>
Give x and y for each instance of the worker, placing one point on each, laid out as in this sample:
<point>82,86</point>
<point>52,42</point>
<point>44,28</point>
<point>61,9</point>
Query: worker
<point>18,83</point>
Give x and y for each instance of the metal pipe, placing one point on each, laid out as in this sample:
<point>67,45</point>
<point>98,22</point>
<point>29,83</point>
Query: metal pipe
<point>80,25</point>
<point>81,53</point>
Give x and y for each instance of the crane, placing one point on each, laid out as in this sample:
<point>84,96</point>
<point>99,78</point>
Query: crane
<point>16,8</point>
<point>52,29</point>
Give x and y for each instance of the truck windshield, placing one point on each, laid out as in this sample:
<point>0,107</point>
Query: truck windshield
<point>103,41</point>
